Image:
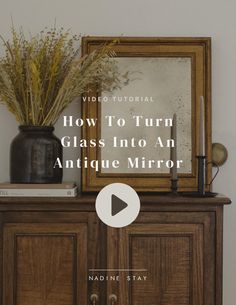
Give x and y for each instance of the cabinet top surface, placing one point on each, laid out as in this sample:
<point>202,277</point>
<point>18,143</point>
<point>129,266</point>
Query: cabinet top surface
<point>85,202</point>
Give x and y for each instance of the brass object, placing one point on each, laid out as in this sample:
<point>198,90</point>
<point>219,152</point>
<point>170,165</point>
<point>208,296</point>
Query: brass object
<point>94,298</point>
<point>219,154</point>
<point>113,299</point>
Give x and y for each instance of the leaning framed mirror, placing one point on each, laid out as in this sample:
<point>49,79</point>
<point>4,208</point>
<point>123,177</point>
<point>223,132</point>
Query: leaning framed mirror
<point>163,77</point>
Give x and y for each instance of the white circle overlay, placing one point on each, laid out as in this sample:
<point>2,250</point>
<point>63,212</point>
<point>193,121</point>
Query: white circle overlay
<point>104,205</point>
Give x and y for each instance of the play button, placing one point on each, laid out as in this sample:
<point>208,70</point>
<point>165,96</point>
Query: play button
<point>117,205</point>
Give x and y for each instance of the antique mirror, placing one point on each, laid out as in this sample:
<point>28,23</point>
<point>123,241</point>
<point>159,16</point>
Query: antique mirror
<point>161,77</point>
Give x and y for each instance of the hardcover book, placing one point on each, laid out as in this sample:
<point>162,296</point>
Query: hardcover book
<point>38,190</point>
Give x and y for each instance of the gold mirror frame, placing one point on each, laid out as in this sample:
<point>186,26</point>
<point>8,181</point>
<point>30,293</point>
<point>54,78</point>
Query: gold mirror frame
<point>199,50</point>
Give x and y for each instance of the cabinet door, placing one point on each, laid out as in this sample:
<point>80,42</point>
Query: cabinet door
<point>45,264</point>
<point>165,258</point>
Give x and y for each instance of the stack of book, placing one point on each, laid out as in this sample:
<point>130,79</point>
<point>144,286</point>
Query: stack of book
<point>38,190</point>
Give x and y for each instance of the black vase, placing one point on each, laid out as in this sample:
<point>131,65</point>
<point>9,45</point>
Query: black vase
<point>33,154</point>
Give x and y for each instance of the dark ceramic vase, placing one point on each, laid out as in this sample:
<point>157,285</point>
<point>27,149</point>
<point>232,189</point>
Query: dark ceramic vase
<point>33,154</point>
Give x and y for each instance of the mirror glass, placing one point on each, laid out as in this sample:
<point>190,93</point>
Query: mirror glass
<point>162,87</point>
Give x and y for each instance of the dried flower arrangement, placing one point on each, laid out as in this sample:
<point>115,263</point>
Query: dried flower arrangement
<point>42,75</point>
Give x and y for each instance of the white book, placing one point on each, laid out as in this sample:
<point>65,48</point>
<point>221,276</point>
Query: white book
<point>39,192</point>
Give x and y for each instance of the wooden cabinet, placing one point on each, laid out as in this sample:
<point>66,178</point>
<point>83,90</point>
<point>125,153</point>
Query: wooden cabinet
<point>57,252</point>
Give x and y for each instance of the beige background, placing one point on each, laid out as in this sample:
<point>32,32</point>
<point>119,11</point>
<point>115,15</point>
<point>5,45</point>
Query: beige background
<point>214,18</point>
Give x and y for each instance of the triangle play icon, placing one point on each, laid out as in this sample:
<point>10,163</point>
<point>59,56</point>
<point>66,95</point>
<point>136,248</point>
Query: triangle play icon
<point>117,205</point>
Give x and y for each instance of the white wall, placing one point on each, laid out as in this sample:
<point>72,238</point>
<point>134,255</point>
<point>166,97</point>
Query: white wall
<point>149,18</point>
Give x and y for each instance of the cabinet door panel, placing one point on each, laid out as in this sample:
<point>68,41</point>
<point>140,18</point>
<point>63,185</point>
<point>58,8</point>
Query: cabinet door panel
<point>167,260</point>
<point>175,251</point>
<point>45,264</point>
